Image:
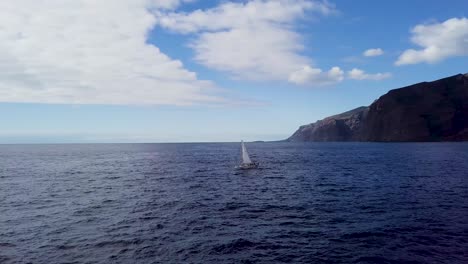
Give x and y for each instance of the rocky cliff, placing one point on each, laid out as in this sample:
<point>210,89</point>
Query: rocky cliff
<point>342,127</point>
<point>428,111</point>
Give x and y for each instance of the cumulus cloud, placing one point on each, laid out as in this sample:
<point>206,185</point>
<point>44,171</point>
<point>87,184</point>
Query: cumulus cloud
<point>254,40</point>
<point>166,4</point>
<point>438,41</point>
<point>373,52</point>
<point>314,76</point>
<point>91,52</point>
<point>357,74</point>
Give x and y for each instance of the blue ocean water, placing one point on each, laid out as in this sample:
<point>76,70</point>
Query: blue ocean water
<point>185,203</point>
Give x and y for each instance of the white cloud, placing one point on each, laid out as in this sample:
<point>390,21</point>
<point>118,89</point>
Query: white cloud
<point>314,76</point>
<point>438,41</point>
<point>373,52</point>
<point>253,40</point>
<point>166,4</point>
<point>240,15</point>
<point>357,74</point>
<point>91,52</point>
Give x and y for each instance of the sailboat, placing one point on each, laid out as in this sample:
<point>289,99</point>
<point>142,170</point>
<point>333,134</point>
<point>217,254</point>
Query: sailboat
<point>246,161</point>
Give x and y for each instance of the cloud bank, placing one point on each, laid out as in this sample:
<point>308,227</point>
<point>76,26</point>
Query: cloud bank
<point>253,40</point>
<point>96,52</point>
<point>438,41</point>
<point>91,52</point>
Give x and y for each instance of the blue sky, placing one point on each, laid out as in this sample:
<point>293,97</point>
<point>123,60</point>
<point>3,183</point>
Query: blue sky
<point>185,71</point>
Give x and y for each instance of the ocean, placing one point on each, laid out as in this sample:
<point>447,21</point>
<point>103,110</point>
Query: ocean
<point>185,203</point>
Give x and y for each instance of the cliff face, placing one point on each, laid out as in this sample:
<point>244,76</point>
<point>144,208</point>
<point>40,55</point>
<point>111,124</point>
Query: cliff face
<point>434,111</point>
<point>342,127</point>
<point>429,111</point>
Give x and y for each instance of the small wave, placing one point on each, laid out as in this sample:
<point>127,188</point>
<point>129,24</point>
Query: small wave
<point>422,252</point>
<point>288,223</point>
<point>118,243</point>
<point>425,240</point>
<point>233,206</point>
<point>5,244</point>
<point>111,177</point>
<point>359,235</point>
<point>65,247</point>
<point>373,260</point>
<point>148,218</point>
<point>233,246</point>
<point>4,259</point>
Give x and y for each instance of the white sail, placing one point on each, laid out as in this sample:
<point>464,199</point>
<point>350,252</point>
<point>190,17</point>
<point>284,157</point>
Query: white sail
<point>245,155</point>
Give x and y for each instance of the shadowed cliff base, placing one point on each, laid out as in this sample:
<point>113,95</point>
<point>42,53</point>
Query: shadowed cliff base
<point>427,111</point>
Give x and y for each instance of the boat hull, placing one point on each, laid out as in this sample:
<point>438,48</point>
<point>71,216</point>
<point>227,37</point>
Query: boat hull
<point>248,166</point>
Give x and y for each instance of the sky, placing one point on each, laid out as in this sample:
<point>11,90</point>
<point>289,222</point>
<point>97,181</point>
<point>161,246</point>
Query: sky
<point>108,71</point>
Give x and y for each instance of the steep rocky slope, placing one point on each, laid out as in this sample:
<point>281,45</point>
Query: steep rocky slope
<point>428,111</point>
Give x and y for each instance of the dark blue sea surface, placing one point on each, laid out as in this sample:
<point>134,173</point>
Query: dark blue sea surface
<point>185,203</point>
